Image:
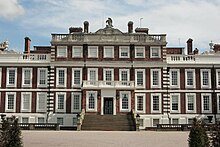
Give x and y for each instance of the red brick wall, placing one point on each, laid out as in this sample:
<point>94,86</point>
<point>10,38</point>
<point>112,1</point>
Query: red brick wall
<point>148,105</point>
<point>18,102</point>
<point>2,104</point>
<point>182,103</point>
<point>68,102</point>
<point>34,100</point>
<point>198,103</point>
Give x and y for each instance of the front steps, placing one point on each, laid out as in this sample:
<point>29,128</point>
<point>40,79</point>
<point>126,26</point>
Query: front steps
<point>108,123</point>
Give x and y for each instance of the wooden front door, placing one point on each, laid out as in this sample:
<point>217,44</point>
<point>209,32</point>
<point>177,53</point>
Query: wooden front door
<point>108,105</point>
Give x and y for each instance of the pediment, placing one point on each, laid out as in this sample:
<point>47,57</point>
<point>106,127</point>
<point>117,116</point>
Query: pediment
<point>108,30</point>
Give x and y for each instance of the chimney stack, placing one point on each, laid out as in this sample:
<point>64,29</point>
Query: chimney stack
<point>86,26</point>
<point>27,45</point>
<point>189,46</point>
<point>130,27</point>
<point>75,30</point>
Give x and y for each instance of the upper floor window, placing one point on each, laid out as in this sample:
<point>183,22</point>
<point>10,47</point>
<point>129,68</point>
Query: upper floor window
<point>125,101</point>
<point>155,78</point>
<point>206,103</point>
<point>60,102</point>
<point>218,78</point>
<point>42,77</point>
<point>27,76</point>
<point>190,103</point>
<point>139,52</point>
<point>93,51</point>
<point>41,102</point>
<point>205,78</point>
<point>92,76</point>
<point>218,103</point>
<point>61,77</point>
<point>11,77</point>
<point>108,76</point>
<point>26,102</point>
<point>77,52</point>
<point>0,77</point>
<point>156,103</point>
<point>140,103</point>
<point>140,78</point>
<point>124,76</point>
<point>175,103</point>
<point>174,78</point>
<point>190,78</point>
<point>155,52</point>
<point>124,52</point>
<point>10,105</point>
<point>76,76</point>
<point>91,101</point>
<point>61,51</point>
<point>76,102</point>
<point>108,51</point>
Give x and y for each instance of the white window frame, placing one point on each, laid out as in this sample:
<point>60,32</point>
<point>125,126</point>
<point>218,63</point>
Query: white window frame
<point>6,102</point>
<point>23,77</point>
<point>0,77</point>
<point>121,48</point>
<point>160,103</point>
<point>128,93</point>
<point>171,98</point>
<point>73,77</point>
<point>194,103</point>
<point>186,77</point>
<point>218,103</point>
<point>59,48</point>
<point>178,78</point>
<point>15,83</point>
<point>96,76</point>
<point>210,102</point>
<point>128,75</point>
<point>45,102</point>
<point>218,78</point>
<point>209,78</point>
<point>159,78</point>
<point>22,119</point>
<point>22,101</point>
<point>61,118</point>
<point>38,77</point>
<point>112,76</point>
<point>144,102</point>
<point>108,56</point>
<point>72,102</point>
<point>41,118</point>
<point>57,77</point>
<point>139,48</point>
<point>144,74</point>
<point>77,56</point>
<point>64,102</point>
<point>89,51</point>
<point>95,101</point>
<point>151,51</point>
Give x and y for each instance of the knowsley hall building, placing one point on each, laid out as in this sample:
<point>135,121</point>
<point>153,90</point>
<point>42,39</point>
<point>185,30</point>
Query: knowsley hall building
<point>107,76</point>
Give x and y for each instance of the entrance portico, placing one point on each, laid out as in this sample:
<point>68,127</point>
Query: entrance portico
<point>108,102</point>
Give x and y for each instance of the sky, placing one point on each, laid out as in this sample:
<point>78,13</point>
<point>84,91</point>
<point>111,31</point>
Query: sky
<point>179,19</point>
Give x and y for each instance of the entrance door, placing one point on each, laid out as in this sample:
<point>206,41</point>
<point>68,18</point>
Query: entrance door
<point>108,105</point>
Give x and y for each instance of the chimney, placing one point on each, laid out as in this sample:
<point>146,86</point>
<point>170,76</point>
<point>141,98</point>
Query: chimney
<point>217,48</point>
<point>27,45</point>
<point>75,30</point>
<point>142,30</point>
<point>189,46</point>
<point>86,26</point>
<point>130,27</point>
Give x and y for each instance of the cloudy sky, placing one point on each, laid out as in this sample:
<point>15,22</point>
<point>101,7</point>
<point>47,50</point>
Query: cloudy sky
<point>179,19</point>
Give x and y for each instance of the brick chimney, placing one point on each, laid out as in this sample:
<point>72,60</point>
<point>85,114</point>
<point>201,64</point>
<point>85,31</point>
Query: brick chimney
<point>27,45</point>
<point>142,30</point>
<point>86,26</point>
<point>217,48</point>
<point>130,27</point>
<point>189,46</point>
<point>75,30</point>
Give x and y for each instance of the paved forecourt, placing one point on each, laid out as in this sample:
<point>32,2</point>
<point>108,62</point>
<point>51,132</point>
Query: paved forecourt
<point>104,139</point>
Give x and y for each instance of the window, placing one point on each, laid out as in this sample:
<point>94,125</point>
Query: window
<point>175,121</point>
<point>92,75</point>
<point>91,101</point>
<point>218,78</point>
<point>77,52</point>
<point>108,76</point>
<point>40,120</point>
<point>174,78</point>
<point>74,121</point>
<point>93,51</point>
<point>0,77</point>
<point>11,77</point>
<point>205,78</point>
<point>26,102</point>
<point>190,120</point>
<point>10,102</point>
<point>190,103</point>
<point>155,52</point>
<point>42,77</point>
<point>61,51</point>
<point>27,77</point>
<point>218,103</point>
<point>60,120</point>
<point>25,120</point>
<point>60,102</point>
<point>125,101</point>
<point>61,77</point>
<point>108,52</point>
<point>77,76</point>
<point>156,103</point>
<point>76,102</point>
<point>155,122</point>
<point>124,52</point>
<point>124,76</point>
<point>139,52</point>
<point>206,103</point>
<point>155,78</point>
<point>140,78</point>
<point>140,103</point>
<point>175,103</point>
<point>190,78</point>
<point>41,101</point>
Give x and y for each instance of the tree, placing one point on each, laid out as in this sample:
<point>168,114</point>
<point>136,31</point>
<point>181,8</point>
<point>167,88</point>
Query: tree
<point>215,136</point>
<point>10,135</point>
<point>197,135</point>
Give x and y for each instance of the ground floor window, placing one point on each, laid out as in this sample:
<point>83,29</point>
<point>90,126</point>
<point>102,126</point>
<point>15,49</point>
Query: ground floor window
<point>60,120</point>
<point>25,120</point>
<point>175,121</point>
<point>91,100</point>
<point>125,100</point>
<point>40,120</point>
<point>155,122</point>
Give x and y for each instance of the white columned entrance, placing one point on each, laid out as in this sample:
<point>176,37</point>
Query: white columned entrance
<point>108,94</point>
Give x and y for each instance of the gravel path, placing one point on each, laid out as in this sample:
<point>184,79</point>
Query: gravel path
<point>104,139</point>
